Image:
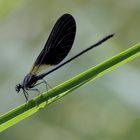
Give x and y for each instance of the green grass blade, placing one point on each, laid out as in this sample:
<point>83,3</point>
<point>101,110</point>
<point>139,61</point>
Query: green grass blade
<point>25,110</point>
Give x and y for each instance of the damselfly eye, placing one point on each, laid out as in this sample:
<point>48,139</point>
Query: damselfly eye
<point>18,87</point>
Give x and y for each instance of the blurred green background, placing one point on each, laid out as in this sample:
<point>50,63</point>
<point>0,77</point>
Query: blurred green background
<point>107,109</point>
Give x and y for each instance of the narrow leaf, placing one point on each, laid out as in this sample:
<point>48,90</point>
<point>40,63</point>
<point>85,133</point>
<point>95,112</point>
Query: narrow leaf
<point>27,109</point>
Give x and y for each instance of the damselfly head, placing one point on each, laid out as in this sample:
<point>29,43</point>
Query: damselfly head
<point>18,87</point>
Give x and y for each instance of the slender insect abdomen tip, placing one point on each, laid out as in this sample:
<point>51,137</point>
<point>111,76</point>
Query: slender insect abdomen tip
<point>111,35</point>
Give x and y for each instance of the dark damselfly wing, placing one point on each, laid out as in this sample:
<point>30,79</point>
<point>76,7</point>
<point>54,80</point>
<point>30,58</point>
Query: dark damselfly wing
<point>58,44</point>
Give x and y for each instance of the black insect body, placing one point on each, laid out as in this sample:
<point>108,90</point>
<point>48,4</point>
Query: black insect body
<point>55,50</point>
